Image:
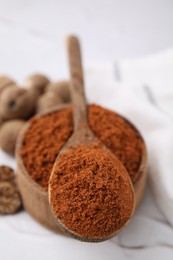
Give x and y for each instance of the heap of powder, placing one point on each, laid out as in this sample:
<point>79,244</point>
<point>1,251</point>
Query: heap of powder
<point>119,136</point>
<point>46,136</point>
<point>91,192</point>
<point>43,140</point>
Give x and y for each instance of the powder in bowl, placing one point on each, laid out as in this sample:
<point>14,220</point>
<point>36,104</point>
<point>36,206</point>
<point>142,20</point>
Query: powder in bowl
<point>46,136</point>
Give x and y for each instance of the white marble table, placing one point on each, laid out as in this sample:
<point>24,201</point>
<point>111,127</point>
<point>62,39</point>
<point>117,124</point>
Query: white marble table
<point>31,39</point>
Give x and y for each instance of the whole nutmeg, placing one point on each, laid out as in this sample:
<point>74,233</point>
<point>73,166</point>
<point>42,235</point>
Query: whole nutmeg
<point>37,82</point>
<point>17,102</point>
<point>10,200</point>
<point>2,120</point>
<point>48,100</point>
<point>62,88</point>
<point>8,135</point>
<point>5,81</point>
<point>6,174</point>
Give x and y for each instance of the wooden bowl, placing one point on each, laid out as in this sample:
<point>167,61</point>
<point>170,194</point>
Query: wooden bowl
<point>35,198</point>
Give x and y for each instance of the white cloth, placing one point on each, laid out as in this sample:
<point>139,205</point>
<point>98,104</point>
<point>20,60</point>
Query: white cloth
<point>149,232</point>
<point>156,127</point>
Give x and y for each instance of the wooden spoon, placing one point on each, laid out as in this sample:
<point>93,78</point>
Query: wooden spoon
<point>83,136</point>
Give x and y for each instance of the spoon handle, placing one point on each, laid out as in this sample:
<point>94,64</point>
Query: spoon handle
<point>77,83</point>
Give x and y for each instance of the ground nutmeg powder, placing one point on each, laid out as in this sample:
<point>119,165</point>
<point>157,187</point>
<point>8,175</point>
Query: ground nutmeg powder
<point>91,192</point>
<point>46,136</point>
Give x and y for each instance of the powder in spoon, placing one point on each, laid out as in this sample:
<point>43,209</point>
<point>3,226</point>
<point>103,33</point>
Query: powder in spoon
<point>91,192</point>
<point>47,134</point>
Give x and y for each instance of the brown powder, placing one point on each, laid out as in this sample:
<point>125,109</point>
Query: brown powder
<point>119,136</point>
<point>47,135</point>
<point>91,192</point>
<point>42,142</point>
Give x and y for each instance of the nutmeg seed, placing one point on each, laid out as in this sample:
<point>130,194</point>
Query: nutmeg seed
<point>61,88</point>
<point>6,174</point>
<point>37,82</point>
<point>47,101</point>
<point>8,135</point>
<point>5,81</point>
<point>17,103</point>
<point>2,120</point>
<point>10,200</point>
